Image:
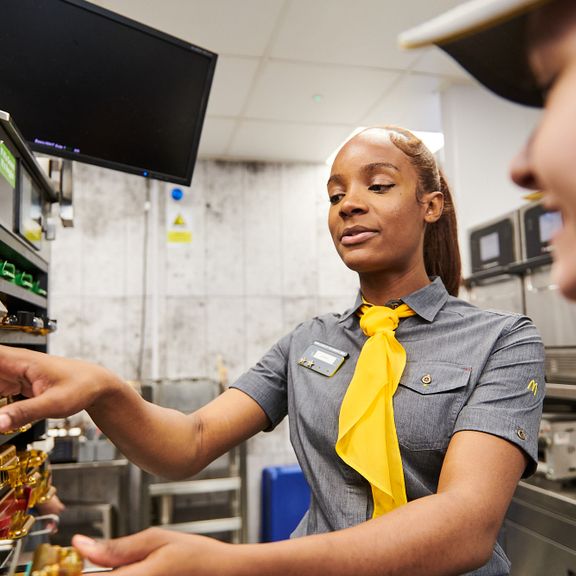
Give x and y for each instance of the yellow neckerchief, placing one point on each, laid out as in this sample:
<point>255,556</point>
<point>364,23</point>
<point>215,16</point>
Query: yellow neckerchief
<point>367,439</point>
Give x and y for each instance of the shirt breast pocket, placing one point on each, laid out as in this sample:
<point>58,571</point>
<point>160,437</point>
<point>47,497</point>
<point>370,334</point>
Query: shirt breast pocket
<point>428,399</point>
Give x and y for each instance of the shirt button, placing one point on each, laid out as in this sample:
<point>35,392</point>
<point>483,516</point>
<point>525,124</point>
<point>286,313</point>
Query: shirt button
<point>521,434</point>
<point>426,379</point>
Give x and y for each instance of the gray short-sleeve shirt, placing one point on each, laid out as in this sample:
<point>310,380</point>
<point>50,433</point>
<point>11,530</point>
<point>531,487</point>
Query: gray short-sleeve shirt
<point>466,369</point>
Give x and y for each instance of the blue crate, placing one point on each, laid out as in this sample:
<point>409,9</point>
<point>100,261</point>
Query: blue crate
<point>285,500</point>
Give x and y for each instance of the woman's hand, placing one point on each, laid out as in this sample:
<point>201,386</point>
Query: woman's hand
<point>55,387</point>
<point>156,552</point>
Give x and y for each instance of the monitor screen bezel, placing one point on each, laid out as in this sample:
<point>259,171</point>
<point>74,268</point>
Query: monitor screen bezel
<point>143,171</point>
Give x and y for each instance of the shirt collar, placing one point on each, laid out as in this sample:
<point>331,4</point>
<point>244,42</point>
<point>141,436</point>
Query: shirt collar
<point>426,302</point>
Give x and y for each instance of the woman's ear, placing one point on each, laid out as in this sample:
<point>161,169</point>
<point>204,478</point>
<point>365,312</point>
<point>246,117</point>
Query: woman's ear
<point>434,204</point>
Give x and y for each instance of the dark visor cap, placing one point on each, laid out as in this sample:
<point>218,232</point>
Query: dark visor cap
<point>488,38</point>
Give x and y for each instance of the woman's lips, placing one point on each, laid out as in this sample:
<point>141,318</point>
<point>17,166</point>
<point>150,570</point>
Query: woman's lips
<point>357,237</point>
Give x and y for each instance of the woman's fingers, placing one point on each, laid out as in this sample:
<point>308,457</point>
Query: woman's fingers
<point>121,551</point>
<point>157,552</point>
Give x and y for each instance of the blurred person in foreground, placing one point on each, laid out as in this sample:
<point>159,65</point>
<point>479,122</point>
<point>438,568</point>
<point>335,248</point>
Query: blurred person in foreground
<point>525,51</point>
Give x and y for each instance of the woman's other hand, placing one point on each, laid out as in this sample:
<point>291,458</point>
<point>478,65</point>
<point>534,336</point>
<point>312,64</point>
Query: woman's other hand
<point>157,552</point>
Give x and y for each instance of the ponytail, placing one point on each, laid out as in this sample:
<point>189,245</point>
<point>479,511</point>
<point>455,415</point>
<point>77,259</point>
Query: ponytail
<point>441,251</point>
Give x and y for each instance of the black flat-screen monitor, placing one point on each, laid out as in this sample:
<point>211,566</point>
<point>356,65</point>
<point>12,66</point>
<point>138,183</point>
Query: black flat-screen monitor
<point>84,83</point>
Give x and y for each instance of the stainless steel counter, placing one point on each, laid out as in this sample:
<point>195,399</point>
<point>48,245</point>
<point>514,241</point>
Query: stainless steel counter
<point>540,529</point>
<point>115,483</point>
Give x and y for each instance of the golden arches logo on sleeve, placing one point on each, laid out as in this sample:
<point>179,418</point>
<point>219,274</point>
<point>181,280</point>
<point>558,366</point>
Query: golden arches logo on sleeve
<point>533,386</point>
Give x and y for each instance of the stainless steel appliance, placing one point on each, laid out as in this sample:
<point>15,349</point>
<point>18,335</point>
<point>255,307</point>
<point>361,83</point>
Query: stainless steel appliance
<point>494,248</point>
<point>555,318</point>
<point>539,533</point>
<point>537,227</point>
<point>553,315</point>
<point>557,446</point>
<point>501,292</point>
<point>540,530</point>
<point>495,245</point>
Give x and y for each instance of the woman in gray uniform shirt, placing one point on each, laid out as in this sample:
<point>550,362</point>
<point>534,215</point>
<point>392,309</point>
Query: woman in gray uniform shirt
<point>466,411</point>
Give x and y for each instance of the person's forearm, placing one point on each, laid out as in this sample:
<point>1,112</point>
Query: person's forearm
<point>159,440</point>
<point>167,442</point>
<point>163,441</point>
<point>432,536</point>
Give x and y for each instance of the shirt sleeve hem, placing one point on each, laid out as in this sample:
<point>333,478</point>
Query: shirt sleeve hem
<point>490,422</point>
<point>257,394</point>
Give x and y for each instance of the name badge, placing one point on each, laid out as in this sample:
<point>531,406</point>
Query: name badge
<point>323,358</point>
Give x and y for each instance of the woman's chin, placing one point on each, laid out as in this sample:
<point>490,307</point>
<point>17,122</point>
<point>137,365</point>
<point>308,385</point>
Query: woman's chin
<point>360,266</point>
<point>355,261</point>
<point>564,276</point>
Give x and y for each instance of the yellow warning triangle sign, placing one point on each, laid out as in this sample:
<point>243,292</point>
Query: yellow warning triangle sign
<point>179,221</point>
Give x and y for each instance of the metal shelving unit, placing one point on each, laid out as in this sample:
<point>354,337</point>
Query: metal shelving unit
<point>9,554</point>
<point>5,438</point>
<point>23,339</point>
<point>561,391</point>
<point>15,298</point>
<point>232,484</point>
<point>25,194</point>
<point>96,492</point>
<point>22,294</point>
<point>18,250</point>
<point>214,501</point>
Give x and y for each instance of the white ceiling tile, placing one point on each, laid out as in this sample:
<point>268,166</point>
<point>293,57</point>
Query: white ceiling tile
<point>360,33</point>
<point>435,61</point>
<point>216,135</point>
<point>286,142</point>
<point>232,82</point>
<point>414,103</point>
<point>234,27</point>
<point>285,91</point>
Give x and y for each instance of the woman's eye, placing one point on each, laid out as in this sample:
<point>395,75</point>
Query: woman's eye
<point>380,187</point>
<point>335,198</point>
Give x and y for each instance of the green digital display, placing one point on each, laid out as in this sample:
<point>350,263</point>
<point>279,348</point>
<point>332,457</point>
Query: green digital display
<point>7,165</point>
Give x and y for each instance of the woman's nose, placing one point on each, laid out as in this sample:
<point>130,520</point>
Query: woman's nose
<point>522,170</point>
<point>353,203</point>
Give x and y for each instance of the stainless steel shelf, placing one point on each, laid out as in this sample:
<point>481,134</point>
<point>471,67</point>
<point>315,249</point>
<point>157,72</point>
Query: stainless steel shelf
<point>550,494</point>
<point>20,249</point>
<point>206,526</point>
<point>9,555</point>
<point>119,463</point>
<point>540,528</point>
<point>22,293</point>
<point>22,338</point>
<point>195,486</point>
<point>5,438</point>
<point>561,391</point>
